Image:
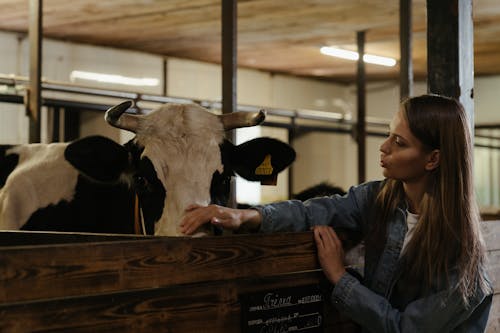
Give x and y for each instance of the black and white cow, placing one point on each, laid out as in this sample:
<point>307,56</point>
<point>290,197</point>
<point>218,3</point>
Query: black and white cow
<point>178,157</point>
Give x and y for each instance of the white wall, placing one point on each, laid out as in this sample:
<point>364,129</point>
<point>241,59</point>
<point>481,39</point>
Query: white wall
<point>13,122</point>
<point>486,100</point>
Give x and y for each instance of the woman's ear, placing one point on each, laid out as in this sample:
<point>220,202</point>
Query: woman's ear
<point>432,160</point>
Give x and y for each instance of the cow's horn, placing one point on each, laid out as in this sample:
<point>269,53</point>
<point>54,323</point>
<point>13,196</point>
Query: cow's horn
<point>115,117</point>
<point>242,119</point>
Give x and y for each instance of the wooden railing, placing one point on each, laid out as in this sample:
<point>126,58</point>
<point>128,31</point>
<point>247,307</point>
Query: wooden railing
<point>91,283</point>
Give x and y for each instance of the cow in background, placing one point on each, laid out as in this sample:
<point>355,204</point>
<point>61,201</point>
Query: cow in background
<point>178,156</point>
<point>319,190</point>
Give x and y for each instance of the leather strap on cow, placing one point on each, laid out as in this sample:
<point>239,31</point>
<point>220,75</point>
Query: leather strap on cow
<point>137,217</point>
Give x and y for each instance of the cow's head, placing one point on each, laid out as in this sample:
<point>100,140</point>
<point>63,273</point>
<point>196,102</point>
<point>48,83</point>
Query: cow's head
<point>178,157</point>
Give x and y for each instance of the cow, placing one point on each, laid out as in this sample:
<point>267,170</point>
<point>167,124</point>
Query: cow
<point>179,156</point>
<point>318,190</point>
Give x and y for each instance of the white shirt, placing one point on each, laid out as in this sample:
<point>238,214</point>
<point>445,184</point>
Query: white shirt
<point>411,222</point>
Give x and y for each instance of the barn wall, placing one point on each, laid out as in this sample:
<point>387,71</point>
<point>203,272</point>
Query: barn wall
<point>13,123</point>
<point>320,157</point>
<point>314,161</point>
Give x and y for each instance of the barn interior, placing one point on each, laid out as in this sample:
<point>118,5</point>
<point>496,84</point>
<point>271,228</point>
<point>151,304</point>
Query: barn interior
<point>176,47</point>
<point>93,54</point>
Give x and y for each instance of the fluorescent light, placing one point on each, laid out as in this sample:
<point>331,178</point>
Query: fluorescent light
<point>339,53</point>
<point>351,55</point>
<point>113,78</point>
<point>378,60</point>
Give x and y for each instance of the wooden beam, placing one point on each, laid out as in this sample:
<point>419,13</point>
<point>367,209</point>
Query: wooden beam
<point>450,57</point>
<point>35,42</point>
<point>405,44</point>
<point>361,97</point>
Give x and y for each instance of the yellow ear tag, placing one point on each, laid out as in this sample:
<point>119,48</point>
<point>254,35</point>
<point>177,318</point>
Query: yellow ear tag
<point>265,168</point>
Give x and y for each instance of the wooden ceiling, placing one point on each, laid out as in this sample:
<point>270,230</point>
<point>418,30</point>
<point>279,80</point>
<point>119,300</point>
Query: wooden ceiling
<point>282,36</point>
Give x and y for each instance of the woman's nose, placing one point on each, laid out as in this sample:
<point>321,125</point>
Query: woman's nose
<point>384,147</point>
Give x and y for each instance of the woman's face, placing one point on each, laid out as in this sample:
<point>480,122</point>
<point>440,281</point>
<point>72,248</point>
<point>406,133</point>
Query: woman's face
<point>402,155</point>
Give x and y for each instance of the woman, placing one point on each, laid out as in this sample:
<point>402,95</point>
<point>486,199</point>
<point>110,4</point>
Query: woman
<point>425,258</point>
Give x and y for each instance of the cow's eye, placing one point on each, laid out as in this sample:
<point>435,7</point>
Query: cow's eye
<point>140,181</point>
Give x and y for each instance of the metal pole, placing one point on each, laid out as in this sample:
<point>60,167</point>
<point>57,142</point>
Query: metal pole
<point>291,139</point>
<point>56,124</point>
<point>361,98</point>
<point>35,41</point>
<point>165,76</point>
<point>406,64</point>
<point>450,51</point>
<point>229,68</point>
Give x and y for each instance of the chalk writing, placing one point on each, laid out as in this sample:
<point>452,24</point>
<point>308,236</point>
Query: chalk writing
<point>284,310</point>
<point>272,301</point>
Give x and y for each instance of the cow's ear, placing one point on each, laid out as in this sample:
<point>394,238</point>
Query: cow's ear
<point>259,159</point>
<point>98,157</point>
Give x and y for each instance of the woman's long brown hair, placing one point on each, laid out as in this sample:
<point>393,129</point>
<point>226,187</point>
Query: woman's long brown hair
<point>447,236</point>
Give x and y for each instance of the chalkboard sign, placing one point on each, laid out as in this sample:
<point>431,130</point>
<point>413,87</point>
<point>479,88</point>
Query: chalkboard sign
<point>283,310</point>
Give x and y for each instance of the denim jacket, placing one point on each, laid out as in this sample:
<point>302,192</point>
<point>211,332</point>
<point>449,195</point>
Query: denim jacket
<point>386,301</point>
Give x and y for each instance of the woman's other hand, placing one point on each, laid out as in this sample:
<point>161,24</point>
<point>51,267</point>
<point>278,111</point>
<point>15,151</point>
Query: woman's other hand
<point>330,253</point>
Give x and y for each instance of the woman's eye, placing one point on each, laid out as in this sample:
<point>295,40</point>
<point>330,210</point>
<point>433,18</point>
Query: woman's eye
<point>398,141</point>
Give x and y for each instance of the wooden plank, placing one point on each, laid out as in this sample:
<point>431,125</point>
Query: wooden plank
<point>50,271</point>
<point>21,238</point>
<point>206,307</point>
<point>114,264</point>
<point>491,234</point>
<point>494,269</point>
<point>493,325</point>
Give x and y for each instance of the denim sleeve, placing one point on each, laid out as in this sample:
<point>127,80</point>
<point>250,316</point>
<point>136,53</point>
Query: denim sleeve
<point>440,312</point>
<point>350,211</point>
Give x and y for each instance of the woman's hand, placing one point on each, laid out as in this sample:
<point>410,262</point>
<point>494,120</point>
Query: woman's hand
<point>330,253</point>
<point>227,218</point>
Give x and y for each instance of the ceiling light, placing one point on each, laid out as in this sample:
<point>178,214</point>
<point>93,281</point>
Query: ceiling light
<point>113,78</point>
<point>351,55</point>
